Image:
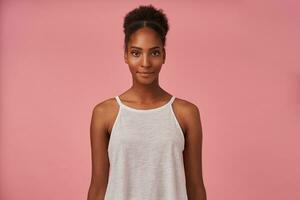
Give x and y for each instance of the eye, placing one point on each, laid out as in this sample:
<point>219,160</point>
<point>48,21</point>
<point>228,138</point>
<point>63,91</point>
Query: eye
<point>134,53</point>
<point>156,53</point>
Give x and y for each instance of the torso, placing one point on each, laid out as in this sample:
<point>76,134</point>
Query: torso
<point>146,148</point>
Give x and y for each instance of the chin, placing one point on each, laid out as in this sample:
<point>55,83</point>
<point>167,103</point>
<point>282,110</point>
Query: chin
<point>145,82</point>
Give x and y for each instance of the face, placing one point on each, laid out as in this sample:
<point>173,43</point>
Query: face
<point>145,55</point>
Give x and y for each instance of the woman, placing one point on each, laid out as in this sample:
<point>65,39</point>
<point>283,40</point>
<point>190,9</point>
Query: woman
<point>146,144</point>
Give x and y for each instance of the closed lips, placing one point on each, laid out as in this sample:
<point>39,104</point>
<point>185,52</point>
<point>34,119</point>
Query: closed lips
<point>145,72</point>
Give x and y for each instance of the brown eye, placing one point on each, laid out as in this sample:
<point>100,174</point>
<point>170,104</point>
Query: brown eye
<point>155,53</point>
<point>134,53</point>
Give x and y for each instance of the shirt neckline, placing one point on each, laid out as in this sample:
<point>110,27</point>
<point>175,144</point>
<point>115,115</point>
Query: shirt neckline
<point>145,110</point>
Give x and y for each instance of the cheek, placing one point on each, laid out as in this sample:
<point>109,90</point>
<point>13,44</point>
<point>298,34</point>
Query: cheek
<point>134,61</point>
<point>133,66</point>
<point>158,61</point>
<point>158,68</point>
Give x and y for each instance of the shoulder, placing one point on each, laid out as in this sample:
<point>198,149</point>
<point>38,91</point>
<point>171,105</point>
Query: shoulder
<point>104,105</point>
<point>187,111</point>
<point>105,110</point>
<point>185,106</point>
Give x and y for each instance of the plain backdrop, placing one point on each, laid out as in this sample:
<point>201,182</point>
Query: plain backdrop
<point>237,60</point>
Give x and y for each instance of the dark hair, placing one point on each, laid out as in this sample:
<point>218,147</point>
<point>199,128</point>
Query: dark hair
<point>146,16</point>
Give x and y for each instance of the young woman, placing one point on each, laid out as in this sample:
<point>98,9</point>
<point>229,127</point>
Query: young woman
<point>146,144</point>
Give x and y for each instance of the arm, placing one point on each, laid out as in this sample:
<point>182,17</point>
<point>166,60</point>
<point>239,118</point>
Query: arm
<point>193,154</point>
<point>100,163</point>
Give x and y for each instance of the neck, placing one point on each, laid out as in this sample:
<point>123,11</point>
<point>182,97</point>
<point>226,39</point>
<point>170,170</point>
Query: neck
<point>147,93</point>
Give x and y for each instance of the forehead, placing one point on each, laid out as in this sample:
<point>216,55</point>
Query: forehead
<point>145,38</point>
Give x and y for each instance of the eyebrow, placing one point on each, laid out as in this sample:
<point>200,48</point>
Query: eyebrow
<point>142,49</point>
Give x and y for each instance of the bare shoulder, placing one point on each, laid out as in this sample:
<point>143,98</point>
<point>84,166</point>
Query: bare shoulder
<point>187,113</point>
<point>104,105</point>
<point>105,111</point>
<point>186,106</point>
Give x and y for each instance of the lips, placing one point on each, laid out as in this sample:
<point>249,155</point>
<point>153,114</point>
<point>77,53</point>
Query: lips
<point>145,72</point>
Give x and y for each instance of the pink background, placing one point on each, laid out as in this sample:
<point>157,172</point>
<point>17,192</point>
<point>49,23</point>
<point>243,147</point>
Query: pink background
<point>237,60</point>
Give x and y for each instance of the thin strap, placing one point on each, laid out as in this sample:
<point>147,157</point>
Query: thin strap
<point>172,100</point>
<point>118,100</point>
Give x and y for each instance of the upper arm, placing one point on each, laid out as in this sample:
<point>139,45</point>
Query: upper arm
<point>193,148</point>
<point>99,142</point>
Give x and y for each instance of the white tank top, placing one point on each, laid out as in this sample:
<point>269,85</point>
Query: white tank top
<point>146,155</point>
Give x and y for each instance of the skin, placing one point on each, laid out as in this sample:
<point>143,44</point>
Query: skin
<point>145,93</point>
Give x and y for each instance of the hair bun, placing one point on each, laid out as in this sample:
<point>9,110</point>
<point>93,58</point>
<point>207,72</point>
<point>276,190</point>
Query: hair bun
<point>146,16</point>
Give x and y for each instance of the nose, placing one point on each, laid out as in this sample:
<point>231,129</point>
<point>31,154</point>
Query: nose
<point>146,61</point>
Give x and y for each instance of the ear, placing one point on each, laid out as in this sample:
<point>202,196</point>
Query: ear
<point>164,56</point>
<point>125,56</point>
